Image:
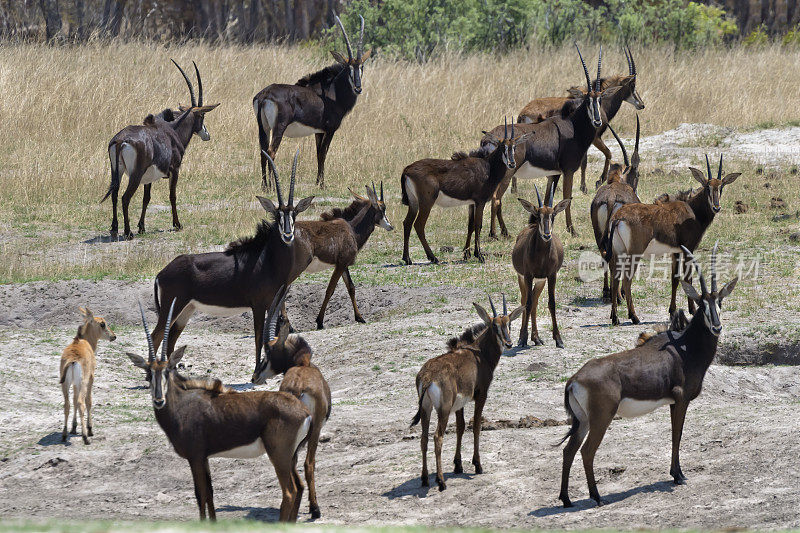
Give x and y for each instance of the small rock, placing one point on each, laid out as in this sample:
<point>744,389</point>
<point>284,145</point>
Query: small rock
<point>740,208</point>
<point>325,437</point>
<point>535,367</point>
<point>795,237</point>
<point>446,249</point>
<point>777,203</point>
<point>767,185</point>
<point>616,470</point>
<point>55,461</point>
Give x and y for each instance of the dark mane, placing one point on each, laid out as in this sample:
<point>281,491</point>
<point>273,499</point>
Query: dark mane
<point>323,76</point>
<point>348,213</point>
<point>570,106</point>
<point>255,242</point>
<point>682,196</point>
<point>214,386</point>
<point>468,337</point>
<point>167,115</point>
<point>482,153</point>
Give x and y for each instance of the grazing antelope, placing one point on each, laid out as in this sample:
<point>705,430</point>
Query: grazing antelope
<point>291,355</point>
<point>540,109</point>
<point>77,372</point>
<point>336,239</point>
<point>316,104</point>
<point>620,189</point>
<point>667,369</point>
<point>203,419</point>
<point>537,257</point>
<point>461,180</point>
<point>556,146</point>
<point>653,230</point>
<point>247,275</point>
<point>153,151</point>
<point>447,382</point>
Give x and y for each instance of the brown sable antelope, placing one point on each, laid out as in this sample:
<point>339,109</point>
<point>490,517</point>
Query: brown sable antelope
<point>290,355</point>
<point>246,276</point>
<point>461,180</point>
<point>620,189</point>
<point>152,151</point>
<point>203,419</point>
<point>537,257</point>
<point>316,104</point>
<point>77,372</point>
<point>557,145</point>
<point>667,369</point>
<point>540,109</point>
<point>336,239</point>
<point>447,382</point>
<point>653,230</point>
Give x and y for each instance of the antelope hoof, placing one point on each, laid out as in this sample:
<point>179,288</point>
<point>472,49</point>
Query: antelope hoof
<point>64,436</point>
<point>90,432</point>
<point>480,257</point>
<point>614,320</point>
<point>572,231</point>
<point>129,235</point>
<point>441,484</point>
<point>583,188</point>
<point>598,183</point>
<point>425,481</point>
<point>505,234</point>
<point>522,342</point>
<point>467,254</point>
<point>537,341</point>
<point>114,234</point>
<point>635,319</point>
<point>478,469</point>
<point>141,229</point>
<point>559,342</point>
<point>492,237</point>
<point>74,430</point>
<point>319,324</point>
<point>458,468</point>
<point>433,260</point>
<point>86,439</point>
<point>407,261</point>
<point>177,226</point>
<point>314,510</point>
<point>360,320</point>
<point>565,500</point>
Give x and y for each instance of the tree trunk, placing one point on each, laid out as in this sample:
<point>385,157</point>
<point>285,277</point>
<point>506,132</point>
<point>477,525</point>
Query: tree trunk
<point>52,18</point>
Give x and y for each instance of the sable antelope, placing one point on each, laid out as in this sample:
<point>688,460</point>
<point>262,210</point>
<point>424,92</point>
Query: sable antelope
<point>316,104</point>
<point>291,355</point>
<point>461,180</point>
<point>667,369</point>
<point>620,189</point>
<point>654,230</point>
<point>556,145</point>
<point>77,372</point>
<point>247,275</point>
<point>540,109</point>
<point>336,239</point>
<point>537,257</point>
<point>447,382</point>
<point>203,419</point>
<point>153,151</point>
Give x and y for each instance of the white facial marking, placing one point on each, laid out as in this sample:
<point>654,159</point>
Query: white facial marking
<point>248,451</point>
<point>630,408</point>
<point>204,135</point>
<point>384,223</point>
<point>442,200</point>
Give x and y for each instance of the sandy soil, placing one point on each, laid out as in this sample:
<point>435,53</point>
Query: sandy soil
<point>739,450</point>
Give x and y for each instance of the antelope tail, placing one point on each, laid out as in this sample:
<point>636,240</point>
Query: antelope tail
<point>115,177</point>
<point>155,296</point>
<point>574,419</point>
<point>609,241</point>
<point>404,197</point>
<point>418,416</point>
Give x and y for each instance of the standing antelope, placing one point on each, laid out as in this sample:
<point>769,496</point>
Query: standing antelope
<point>291,355</point>
<point>205,419</point>
<point>540,109</point>
<point>447,382</point>
<point>336,239</point>
<point>247,275</point>
<point>667,369</point>
<point>537,257</point>
<point>557,145</point>
<point>653,230</point>
<point>153,151</point>
<point>461,180</point>
<point>77,372</point>
<point>316,104</point>
<point>620,189</point>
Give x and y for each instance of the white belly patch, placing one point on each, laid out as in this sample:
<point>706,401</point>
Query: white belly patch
<point>151,175</point>
<point>217,310</point>
<point>528,171</point>
<point>442,200</point>
<point>629,408</point>
<point>297,129</point>
<point>460,402</point>
<point>657,248</point>
<point>317,266</point>
<point>248,451</point>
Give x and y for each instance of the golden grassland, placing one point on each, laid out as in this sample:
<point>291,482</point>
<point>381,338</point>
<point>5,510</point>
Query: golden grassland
<point>59,106</point>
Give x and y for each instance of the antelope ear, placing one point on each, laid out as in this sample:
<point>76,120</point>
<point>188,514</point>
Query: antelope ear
<point>176,356</point>
<point>728,288</point>
<point>489,138</point>
<point>304,204</point>
<point>338,57</point>
<point>283,330</point>
<point>690,291</point>
<point>627,80</point>
<point>267,204</point>
<point>482,313</point>
<point>365,55</point>
<point>611,91</point>
<point>515,313</point>
<point>206,108</point>
<point>696,174</point>
<point>137,360</point>
<point>529,207</point>
<point>563,204</point>
<point>575,92</point>
<point>523,138</point>
<point>87,313</point>
<point>355,194</point>
<point>371,195</point>
<point>730,178</point>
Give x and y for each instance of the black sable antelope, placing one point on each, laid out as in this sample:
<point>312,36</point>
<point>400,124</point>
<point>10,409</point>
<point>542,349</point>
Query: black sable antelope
<point>202,419</point>
<point>461,180</point>
<point>316,104</point>
<point>667,369</point>
<point>448,382</point>
<point>154,150</point>
<point>291,355</point>
<point>244,277</point>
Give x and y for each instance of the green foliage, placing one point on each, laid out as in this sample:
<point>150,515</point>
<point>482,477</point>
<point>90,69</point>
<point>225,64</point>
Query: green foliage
<point>757,38</point>
<point>792,37</point>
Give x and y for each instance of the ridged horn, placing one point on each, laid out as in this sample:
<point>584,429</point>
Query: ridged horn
<point>291,183</point>
<point>274,171</point>
<point>708,167</point>
<point>188,82</point>
<point>538,198</point>
<point>151,351</point>
<point>692,259</point>
<point>585,70</point>
<point>167,327</point>
<point>714,268</point>
<point>599,65</point>
<point>719,173</point>
<point>346,38</point>
<point>199,84</point>
<point>622,146</point>
<point>491,303</point>
<point>361,39</point>
<point>505,305</point>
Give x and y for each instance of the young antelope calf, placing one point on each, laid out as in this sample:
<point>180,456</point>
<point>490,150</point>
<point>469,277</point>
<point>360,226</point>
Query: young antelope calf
<point>77,371</point>
<point>463,374</point>
<point>291,355</point>
<point>667,369</point>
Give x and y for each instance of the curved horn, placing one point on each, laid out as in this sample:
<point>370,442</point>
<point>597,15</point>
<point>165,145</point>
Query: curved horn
<point>361,39</point>
<point>585,70</point>
<point>505,305</point>
<point>167,327</point>
<point>719,173</point>
<point>373,189</point>
<point>632,69</point>
<point>199,84</point>
<point>628,59</point>
<point>714,268</point>
<point>150,350</point>
<point>188,82</point>
<point>494,311</point>
<point>622,146</point>
<point>512,130</point>
<point>271,320</point>
<point>274,171</point>
<point>381,190</point>
<point>538,198</point>
<point>505,128</point>
<point>291,183</point>
<point>635,157</point>
<point>599,64</point>
<point>692,259</point>
<point>346,38</point>
<point>552,195</point>
<point>708,167</point>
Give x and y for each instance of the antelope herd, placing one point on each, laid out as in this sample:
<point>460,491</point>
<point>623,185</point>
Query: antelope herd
<point>204,419</point>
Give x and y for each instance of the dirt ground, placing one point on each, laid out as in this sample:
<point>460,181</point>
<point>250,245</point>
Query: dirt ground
<point>739,450</point>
